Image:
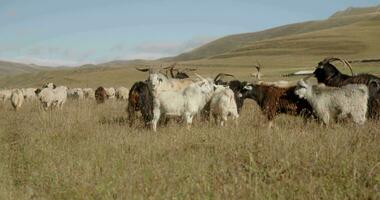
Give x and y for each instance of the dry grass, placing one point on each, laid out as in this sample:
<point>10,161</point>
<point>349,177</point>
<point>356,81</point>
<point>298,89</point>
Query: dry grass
<point>86,151</point>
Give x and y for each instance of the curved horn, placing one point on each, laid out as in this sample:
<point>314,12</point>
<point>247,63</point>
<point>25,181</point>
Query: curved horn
<point>170,66</point>
<point>344,62</point>
<point>143,69</point>
<point>221,75</point>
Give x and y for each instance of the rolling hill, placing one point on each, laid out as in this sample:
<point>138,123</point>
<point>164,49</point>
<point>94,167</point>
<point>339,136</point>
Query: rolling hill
<point>352,34</point>
<point>233,43</point>
<point>12,68</point>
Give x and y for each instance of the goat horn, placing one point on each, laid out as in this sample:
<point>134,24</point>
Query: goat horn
<point>222,75</point>
<point>143,69</point>
<point>344,62</point>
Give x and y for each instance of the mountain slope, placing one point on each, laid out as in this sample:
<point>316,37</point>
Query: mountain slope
<point>230,43</point>
<point>12,68</point>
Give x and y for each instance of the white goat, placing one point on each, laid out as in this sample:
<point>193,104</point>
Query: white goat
<point>223,104</point>
<point>336,103</point>
<point>160,83</point>
<point>184,103</point>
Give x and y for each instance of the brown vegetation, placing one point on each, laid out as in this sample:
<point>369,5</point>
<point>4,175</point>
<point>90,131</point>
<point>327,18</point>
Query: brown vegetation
<point>87,151</point>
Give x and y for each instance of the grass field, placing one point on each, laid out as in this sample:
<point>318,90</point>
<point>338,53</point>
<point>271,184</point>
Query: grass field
<point>87,151</point>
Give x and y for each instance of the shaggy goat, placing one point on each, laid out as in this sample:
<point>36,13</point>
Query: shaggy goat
<point>140,99</point>
<point>223,104</point>
<point>273,100</point>
<point>329,75</point>
<point>100,95</point>
<point>336,103</point>
<point>184,103</point>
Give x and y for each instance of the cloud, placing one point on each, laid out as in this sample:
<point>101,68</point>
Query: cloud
<point>172,48</point>
<point>44,61</point>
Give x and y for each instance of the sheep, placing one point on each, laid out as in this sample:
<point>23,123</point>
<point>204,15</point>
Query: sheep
<point>184,103</point>
<point>52,97</point>
<point>336,103</point>
<point>17,99</point>
<point>140,99</point>
<point>5,95</point>
<point>223,104</point>
<point>110,92</point>
<point>75,93</point>
<point>274,100</point>
<point>122,93</point>
<point>100,95</point>
<point>29,94</point>
<point>49,85</point>
<point>88,93</point>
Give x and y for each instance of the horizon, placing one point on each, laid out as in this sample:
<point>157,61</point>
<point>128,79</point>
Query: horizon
<point>92,32</point>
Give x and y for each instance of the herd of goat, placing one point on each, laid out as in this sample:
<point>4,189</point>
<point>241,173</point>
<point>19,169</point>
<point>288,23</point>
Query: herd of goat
<point>336,96</point>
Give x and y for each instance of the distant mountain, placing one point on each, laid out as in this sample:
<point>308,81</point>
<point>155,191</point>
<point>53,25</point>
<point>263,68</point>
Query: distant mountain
<point>232,43</point>
<point>12,68</point>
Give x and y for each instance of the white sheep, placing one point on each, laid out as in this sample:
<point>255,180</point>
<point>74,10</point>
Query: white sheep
<point>53,97</point>
<point>5,95</point>
<point>17,99</point>
<point>122,93</point>
<point>29,94</point>
<point>75,93</point>
<point>110,92</point>
<point>88,93</point>
<point>336,103</point>
<point>223,104</point>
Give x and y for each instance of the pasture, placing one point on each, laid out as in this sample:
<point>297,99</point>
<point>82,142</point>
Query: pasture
<point>87,151</point>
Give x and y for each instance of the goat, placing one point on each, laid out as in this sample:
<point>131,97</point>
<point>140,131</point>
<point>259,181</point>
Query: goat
<point>329,75</point>
<point>100,95</point>
<point>334,102</point>
<point>140,99</point>
<point>222,105</point>
<point>273,100</point>
<point>185,103</point>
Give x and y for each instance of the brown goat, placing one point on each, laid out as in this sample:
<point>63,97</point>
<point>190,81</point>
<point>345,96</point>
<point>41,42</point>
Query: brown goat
<point>100,95</point>
<point>274,100</point>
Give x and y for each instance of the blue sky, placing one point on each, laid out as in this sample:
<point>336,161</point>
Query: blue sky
<point>75,32</point>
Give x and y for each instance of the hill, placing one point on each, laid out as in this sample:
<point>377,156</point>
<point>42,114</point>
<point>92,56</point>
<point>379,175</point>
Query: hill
<point>229,43</point>
<point>351,34</point>
<point>12,68</point>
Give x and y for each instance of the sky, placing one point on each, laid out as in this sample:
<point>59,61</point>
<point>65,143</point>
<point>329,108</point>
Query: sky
<point>76,32</point>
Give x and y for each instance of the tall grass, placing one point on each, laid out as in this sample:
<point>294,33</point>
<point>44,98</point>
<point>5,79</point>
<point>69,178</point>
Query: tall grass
<point>87,151</point>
